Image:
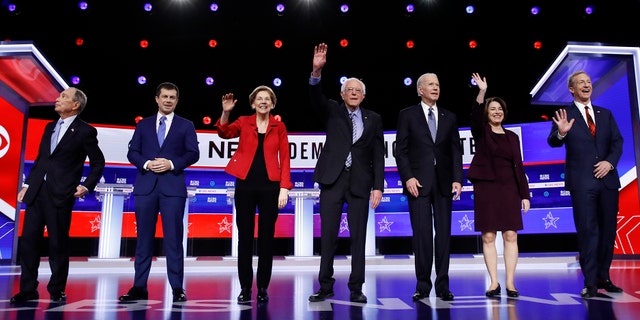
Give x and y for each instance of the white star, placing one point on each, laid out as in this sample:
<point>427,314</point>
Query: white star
<point>385,224</point>
<point>225,225</point>
<point>550,221</point>
<point>95,224</point>
<point>344,225</point>
<point>465,223</point>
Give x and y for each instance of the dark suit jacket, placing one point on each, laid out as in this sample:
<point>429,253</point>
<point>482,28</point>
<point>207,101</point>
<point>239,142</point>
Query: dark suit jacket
<point>65,165</point>
<point>180,146</point>
<point>482,167</point>
<point>415,150</point>
<point>583,151</point>
<point>367,154</point>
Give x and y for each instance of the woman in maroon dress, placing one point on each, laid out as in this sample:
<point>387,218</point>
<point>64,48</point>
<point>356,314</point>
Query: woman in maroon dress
<point>500,186</point>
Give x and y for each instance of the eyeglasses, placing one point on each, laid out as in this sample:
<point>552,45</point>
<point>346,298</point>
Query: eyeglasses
<point>352,89</point>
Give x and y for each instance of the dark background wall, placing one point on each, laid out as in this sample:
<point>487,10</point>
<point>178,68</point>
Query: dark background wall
<point>110,60</point>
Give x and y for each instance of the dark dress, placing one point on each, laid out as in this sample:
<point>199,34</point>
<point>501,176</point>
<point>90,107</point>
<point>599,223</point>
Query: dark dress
<point>497,203</point>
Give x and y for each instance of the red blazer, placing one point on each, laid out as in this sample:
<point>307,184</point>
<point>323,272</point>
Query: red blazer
<point>276,148</point>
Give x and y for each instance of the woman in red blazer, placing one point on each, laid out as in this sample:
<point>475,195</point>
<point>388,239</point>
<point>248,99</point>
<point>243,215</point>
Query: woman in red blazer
<point>500,186</point>
<point>261,165</point>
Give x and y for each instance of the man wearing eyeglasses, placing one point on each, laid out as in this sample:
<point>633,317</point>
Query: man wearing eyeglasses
<point>350,170</point>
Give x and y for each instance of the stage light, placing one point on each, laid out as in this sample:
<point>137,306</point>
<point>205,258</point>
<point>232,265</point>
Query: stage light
<point>213,43</point>
<point>75,80</point>
<point>344,43</point>
<point>470,9</point>
<point>148,7</point>
<point>544,117</point>
<point>278,44</point>
<point>79,41</point>
<point>137,119</point>
<point>11,7</point>
<point>589,9</point>
<point>277,117</point>
<point>206,120</point>
<point>410,44</point>
<point>142,79</point>
<point>407,81</point>
<point>83,5</point>
<point>344,8</point>
<point>537,45</point>
<point>280,8</point>
<point>144,44</point>
<point>213,7</point>
<point>535,10</point>
<point>473,82</point>
<point>209,81</point>
<point>277,82</point>
<point>473,44</point>
<point>410,8</point>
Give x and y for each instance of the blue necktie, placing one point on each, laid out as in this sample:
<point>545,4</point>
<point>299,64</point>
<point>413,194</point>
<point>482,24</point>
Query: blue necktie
<point>54,136</point>
<point>162,128</point>
<point>432,124</point>
<point>354,134</point>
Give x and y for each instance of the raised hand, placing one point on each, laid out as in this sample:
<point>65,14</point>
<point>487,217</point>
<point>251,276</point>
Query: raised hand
<point>319,58</point>
<point>561,121</point>
<point>228,103</point>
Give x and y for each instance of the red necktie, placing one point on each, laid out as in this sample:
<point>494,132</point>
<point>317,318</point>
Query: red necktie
<point>592,125</point>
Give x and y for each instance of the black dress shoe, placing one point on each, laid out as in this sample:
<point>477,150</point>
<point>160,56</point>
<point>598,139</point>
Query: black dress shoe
<point>493,293</point>
<point>445,295</point>
<point>244,296</point>
<point>179,295</point>
<point>419,295</point>
<point>58,296</point>
<point>321,295</point>
<point>358,296</point>
<point>22,297</point>
<point>135,293</point>
<point>513,293</point>
<point>589,292</point>
<point>263,296</point>
<point>609,286</point>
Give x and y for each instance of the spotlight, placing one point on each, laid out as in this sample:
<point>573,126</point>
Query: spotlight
<point>473,44</point>
<point>137,119</point>
<point>344,43</point>
<point>410,44</point>
<point>206,120</point>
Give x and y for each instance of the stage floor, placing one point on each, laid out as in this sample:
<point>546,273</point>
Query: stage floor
<point>549,286</point>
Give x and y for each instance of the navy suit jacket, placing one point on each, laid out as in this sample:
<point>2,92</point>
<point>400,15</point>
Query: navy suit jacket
<point>583,150</point>
<point>367,153</point>
<point>180,146</point>
<point>65,165</point>
<point>415,150</point>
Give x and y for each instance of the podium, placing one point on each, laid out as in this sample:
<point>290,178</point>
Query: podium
<point>112,196</point>
<point>303,200</point>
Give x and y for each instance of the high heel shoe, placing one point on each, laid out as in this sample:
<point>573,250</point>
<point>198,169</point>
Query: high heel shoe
<point>513,293</point>
<point>492,293</point>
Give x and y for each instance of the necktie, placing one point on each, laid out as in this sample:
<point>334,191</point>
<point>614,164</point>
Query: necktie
<point>354,134</point>
<point>432,124</point>
<point>592,125</point>
<point>162,128</point>
<point>55,135</point>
